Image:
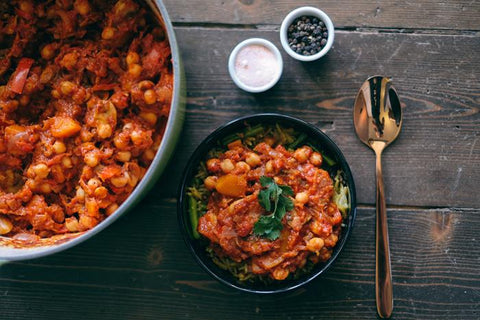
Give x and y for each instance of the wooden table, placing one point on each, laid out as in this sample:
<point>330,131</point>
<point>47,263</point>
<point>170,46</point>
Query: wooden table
<point>140,268</point>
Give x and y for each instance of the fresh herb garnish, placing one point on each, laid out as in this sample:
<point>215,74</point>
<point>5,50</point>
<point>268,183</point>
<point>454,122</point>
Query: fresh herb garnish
<point>273,198</point>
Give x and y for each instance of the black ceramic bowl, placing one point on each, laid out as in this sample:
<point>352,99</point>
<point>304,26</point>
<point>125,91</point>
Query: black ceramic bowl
<point>198,246</point>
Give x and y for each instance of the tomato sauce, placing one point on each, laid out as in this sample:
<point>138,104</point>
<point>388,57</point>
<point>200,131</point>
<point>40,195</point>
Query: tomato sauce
<point>85,93</point>
<point>310,230</point>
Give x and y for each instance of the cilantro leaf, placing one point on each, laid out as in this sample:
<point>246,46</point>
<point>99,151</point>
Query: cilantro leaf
<point>266,196</point>
<point>266,181</point>
<point>286,190</point>
<point>268,226</point>
<point>264,200</point>
<point>273,197</point>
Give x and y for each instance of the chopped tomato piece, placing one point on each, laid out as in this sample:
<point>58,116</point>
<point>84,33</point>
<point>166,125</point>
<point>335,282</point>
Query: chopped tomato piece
<point>19,77</point>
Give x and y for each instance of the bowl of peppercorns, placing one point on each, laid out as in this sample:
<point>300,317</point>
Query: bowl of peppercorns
<point>307,33</point>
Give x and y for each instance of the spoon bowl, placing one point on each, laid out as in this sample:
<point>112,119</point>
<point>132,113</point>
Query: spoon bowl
<point>377,118</point>
<point>377,112</point>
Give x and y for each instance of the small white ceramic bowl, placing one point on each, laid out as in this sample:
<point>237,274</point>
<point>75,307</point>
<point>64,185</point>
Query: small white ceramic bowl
<point>269,46</point>
<point>306,11</point>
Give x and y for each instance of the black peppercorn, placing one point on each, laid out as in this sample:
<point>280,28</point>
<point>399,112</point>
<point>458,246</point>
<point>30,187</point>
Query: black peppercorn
<point>307,35</point>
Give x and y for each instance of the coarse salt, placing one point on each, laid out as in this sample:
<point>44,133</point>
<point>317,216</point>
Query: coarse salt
<point>256,66</point>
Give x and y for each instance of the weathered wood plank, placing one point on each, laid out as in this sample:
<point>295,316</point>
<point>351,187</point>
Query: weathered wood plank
<point>422,14</point>
<point>123,274</point>
<point>436,159</point>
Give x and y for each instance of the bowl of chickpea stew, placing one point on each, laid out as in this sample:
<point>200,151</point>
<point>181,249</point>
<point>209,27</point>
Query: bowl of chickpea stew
<point>266,203</point>
<point>92,97</point>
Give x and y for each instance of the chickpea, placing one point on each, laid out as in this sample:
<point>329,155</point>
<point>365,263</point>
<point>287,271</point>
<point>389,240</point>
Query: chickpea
<point>132,57</point>
<point>120,142</point>
<point>280,274</point>
<point>119,182</point>
<point>48,52</point>
<point>149,96</point>
<point>227,165</point>
<point>88,222</point>
<point>269,166</point>
<point>67,162</point>
<point>80,194</point>
<point>135,70</point>
<point>41,170</point>
<point>149,154</point>
<point>316,159</point>
<point>124,156</point>
<point>70,60</point>
<point>45,188</point>
<point>5,225</point>
<point>320,229</point>
<point>104,131</point>
<point>111,209</point>
<point>108,33</point>
<point>150,117</point>
<point>315,244</point>
<point>164,94</point>
<point>213,165</point>
<point>82,7</point>
<point>59,147</point>
<point>72,224</point>
<point>56,94</point>
<point>136,137</point>
<point>145,85</point>
<point>91,207</point>
<point>26,6</point>
<point>67,87</point>
<point>91,159</point>
<point>101,192</point>
<point>301,197</point>
<point>210,182</point>
<point>132,180</point>
<point>242,166</point>
<point>94,183</point>
<point>30,173</point>
<point>120,99</point>
<point>47,75</point>
<point>86,135</point>
<point>301,155</point>
<point>81,95</point>
<point>331,240</point>
<point>253,159</point>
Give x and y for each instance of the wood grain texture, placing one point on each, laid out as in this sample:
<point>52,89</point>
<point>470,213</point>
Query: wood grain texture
<point>139,268</point>
<point>435,162</point>
<point>402,14</point>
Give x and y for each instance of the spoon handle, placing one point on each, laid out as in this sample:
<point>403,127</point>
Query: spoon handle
<point>383,272</point>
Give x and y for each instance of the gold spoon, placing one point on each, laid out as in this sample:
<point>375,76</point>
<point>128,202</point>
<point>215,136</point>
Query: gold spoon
<point>377,117</point>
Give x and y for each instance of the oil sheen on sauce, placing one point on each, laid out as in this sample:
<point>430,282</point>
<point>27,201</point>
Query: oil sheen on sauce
<point>256,66</point>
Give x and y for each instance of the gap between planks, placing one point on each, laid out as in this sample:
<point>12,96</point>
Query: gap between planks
<point>275,27</point>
